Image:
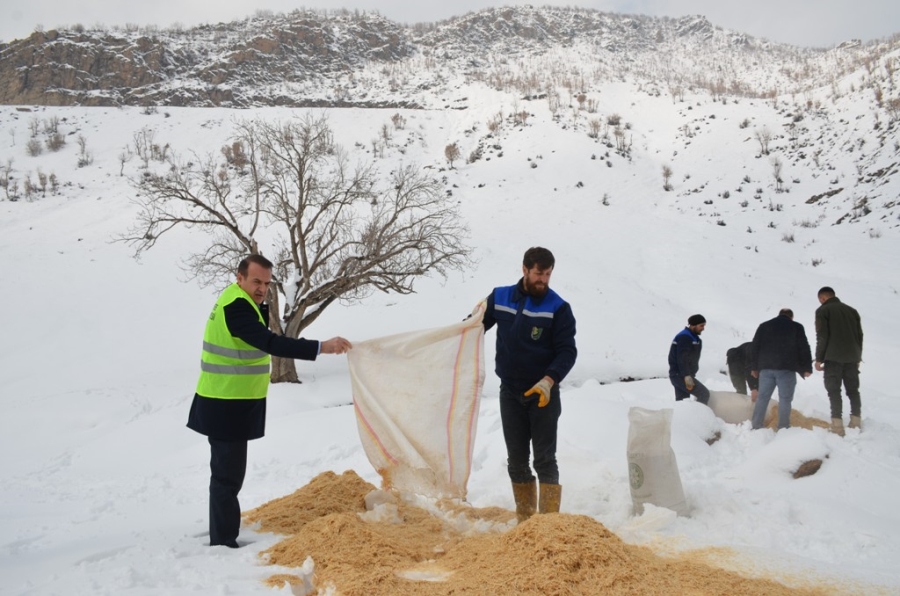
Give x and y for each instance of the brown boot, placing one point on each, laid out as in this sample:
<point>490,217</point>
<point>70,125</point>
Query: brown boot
<point>551,494</point>
<point>837,426</point>
<point>525,494</point>
<point>855,422</point>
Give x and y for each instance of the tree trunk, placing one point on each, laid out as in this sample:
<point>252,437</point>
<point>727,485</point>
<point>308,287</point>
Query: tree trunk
<point>283,369</point>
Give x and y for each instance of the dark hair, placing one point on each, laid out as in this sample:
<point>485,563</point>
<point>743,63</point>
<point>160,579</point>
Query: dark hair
<point>787,312</point>
<point>260,260</point>
<point>539,256</point>
<point>826,291</point>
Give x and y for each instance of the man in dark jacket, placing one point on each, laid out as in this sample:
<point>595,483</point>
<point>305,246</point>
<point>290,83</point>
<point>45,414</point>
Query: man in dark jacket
<point>839,343</point>
<point>684,361</point>
<point>778,353</point>
<point>229,406</point>
<point>738,361</point>
<point>535,352</point>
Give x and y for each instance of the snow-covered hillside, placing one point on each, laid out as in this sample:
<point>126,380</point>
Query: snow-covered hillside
<point>339,58</point>
<point>104,489</point>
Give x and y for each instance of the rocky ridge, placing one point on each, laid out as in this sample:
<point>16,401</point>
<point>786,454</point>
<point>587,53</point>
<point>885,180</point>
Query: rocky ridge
<point>337,58</point>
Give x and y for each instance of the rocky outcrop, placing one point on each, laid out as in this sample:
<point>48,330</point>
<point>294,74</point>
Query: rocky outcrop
<point>350,58</point>
<point>56,68</point>
<point>206,66</point>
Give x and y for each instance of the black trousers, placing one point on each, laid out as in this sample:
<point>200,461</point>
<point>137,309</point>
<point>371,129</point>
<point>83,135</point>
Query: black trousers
<point>227,465</point>
<point>681,391</point>
<point>741,379</point>
<point>526,425</point>
<point>846,373</point>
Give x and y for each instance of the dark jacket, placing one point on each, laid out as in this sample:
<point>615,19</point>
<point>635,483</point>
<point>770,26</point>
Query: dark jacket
<point>535,336</point>
<point>781,344</point>
<point>684,355</point>
<point>245,419</point>
<point>738,361</point>
<point>739,358</point>
<point>839,334</point>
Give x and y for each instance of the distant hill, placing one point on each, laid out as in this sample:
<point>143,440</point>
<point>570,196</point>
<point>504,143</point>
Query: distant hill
<point>344,58</point>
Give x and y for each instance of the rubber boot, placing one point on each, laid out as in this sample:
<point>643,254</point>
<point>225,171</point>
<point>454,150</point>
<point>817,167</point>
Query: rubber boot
<point>525,494</point>
<point>855,422</point>
<point>551,494</point>
<point>837,426</point>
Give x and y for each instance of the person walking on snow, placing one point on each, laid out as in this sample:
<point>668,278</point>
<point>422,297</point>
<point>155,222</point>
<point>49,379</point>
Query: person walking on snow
<point>778,353</point>
<point>684,361</point>
<point>839,344</point>
<point>229,406</point>
<point>535,352</point>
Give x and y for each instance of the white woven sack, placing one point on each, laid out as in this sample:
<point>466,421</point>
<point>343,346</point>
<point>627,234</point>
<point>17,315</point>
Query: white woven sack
<point>416,397</point>
<point>652,469</point>
<point>734,408</point>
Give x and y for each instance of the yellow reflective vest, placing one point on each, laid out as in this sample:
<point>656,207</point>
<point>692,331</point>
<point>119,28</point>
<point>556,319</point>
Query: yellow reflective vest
<point>230,368</point>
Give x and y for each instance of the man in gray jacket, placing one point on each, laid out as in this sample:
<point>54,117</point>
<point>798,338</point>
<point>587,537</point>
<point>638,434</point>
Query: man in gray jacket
<point>839,343</point>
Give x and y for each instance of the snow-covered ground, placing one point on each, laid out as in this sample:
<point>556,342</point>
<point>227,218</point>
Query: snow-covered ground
<point>104,491</point>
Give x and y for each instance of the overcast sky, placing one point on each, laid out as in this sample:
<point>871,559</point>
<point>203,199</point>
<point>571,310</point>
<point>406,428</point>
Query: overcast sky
<point>800,22</point>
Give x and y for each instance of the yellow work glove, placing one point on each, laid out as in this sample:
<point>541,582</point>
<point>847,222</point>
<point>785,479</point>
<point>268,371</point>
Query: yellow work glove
<point>689,382</point>
<point>542,388</point>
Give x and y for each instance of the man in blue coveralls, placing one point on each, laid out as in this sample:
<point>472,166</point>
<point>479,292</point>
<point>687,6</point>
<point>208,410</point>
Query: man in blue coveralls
<point>535,351</point>
<point>684,361</point>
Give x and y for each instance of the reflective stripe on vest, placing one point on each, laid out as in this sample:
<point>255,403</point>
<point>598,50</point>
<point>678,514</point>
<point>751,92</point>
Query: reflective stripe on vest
<point>230,368</point>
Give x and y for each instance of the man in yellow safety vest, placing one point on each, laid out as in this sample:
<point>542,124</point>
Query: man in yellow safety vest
<point>229,406</point>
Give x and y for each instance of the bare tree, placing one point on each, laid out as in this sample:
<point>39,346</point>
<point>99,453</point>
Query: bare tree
<point>777,165</point>
<point>124,156</point>
<point>12,190</point>
<point>619,135</point>
<point>667,175</point>
<point>42,182</point>
<point>235,156</point>
<point>55,141</point>
<point>5,171</point>
<point>51,125</point>
<point>764,137</point>
<point>143,144</point>
<point>34,147</point>
<point>334,232</point>
<point>893,108</point>
<point>553,99</point>
<point>399,121</point>
<point>451,152</point>
<point>85,157</point>
<point>29,187</point>
<point>495,123</point>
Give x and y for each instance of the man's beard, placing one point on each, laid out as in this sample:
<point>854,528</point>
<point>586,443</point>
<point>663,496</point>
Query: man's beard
<point>534,291</point>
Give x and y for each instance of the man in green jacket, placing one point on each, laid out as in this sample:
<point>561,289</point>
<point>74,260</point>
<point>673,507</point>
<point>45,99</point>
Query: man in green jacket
<point>229,405</point>
<point>839,342</point>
